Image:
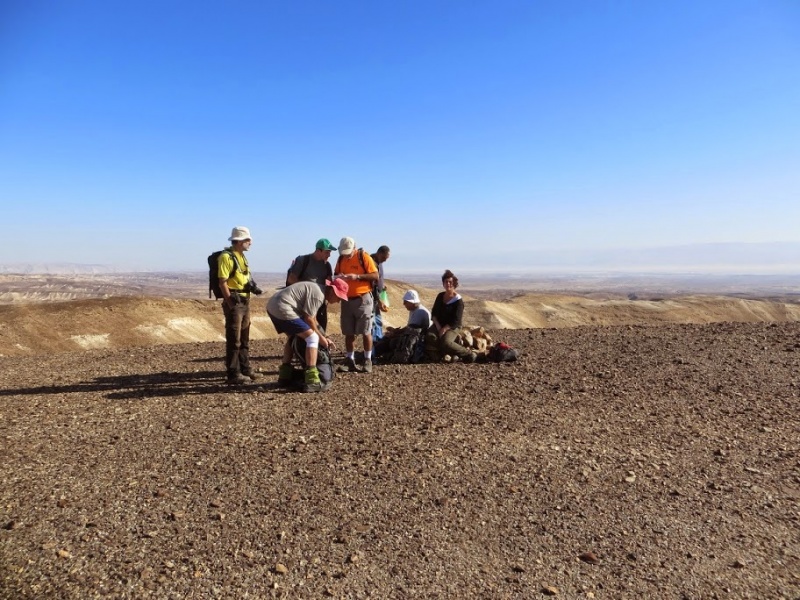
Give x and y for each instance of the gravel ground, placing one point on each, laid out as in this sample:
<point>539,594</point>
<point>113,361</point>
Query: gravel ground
<point>609,462</point>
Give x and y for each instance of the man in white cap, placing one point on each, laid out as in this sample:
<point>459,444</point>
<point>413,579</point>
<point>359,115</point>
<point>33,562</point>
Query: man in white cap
<point>236,284</point>
<point>418,315</point>
<point>358,269</point>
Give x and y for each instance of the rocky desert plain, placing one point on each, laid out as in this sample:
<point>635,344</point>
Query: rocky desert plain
<point>646,444</point>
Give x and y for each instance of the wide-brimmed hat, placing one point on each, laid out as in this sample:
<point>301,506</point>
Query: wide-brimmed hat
<point>346,246</point>
<point>411,296</point>
<point>339,287</point>
<point>239,233</point>
<point>325,244</point>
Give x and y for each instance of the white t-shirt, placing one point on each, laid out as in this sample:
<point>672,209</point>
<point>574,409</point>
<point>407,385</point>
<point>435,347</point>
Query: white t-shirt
<point>420,317</point>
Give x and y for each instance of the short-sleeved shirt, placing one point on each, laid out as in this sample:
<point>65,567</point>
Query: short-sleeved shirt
<point>349,265</point>
<point>296,301</point>
<point>225,269</point>
<point>316,270</point>
<point>419,317</point>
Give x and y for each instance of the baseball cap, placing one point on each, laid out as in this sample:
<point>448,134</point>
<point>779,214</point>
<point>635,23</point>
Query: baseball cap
<point>325,244</point>
<point>339,286</point>
<point>411,296</point>
<point>346,246</point>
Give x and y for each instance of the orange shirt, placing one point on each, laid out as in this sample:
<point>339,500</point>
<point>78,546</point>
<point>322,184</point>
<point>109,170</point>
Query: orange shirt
<point>352,264</point>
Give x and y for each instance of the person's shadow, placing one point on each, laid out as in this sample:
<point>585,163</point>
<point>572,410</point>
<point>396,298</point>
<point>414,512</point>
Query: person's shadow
<point>163,384</point>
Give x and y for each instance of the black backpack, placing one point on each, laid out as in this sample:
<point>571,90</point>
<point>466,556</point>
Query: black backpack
<point>306,258</point>
<point>327,372</point>
<point>213,272</point>
<point>502,352</point>
<point>402,346</point>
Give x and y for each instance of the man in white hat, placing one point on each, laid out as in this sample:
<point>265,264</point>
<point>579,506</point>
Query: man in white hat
<point>358,269</point>
<point>418,315</point>
<point>236,283</point>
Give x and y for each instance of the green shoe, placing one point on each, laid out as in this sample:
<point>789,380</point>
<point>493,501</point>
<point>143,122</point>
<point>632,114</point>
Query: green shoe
<point>312,382</point>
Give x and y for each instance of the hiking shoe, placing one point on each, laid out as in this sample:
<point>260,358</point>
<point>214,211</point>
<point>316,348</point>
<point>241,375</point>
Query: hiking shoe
<point>311,381</point>
<point>285,375</point>
<point>237,379</point>
<point>251,374</point>
<point>367,366</point>
<point>348,366</point>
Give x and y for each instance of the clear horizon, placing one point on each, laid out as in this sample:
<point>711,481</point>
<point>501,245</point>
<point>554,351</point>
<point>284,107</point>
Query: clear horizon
<point>473,136</point>
<point>712,260</point>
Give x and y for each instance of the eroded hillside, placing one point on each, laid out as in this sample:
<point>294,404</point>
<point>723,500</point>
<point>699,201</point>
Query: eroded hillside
<point>28,328</point>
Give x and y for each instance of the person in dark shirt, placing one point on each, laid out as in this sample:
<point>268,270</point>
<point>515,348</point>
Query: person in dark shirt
<point>447,315</point>
<point>380,257</point>
<point>314,267</point>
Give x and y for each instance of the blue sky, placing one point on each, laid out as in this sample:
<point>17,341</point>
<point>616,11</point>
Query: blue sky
<point>462,134</point>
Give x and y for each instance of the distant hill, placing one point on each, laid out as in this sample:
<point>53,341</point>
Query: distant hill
<point>115,321</point>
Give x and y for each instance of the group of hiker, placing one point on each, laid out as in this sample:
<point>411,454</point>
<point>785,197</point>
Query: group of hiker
<point>299,310</point>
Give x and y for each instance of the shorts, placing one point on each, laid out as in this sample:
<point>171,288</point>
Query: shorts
<point>356,317</point>
<point>289,327</point>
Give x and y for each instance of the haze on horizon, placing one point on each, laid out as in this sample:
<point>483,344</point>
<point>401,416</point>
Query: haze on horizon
<point>513,135</point>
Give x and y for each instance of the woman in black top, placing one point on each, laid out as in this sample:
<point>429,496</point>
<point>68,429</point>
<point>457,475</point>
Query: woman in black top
<point>448,310</point>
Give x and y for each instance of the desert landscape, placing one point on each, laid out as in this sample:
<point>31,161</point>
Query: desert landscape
<point>645,445</point>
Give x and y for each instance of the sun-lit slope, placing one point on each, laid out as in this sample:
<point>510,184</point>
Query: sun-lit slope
<point>34,328</point>
<point>536,310</point>
<point>566,311</point>
<point>562,311</point>
<point>100,323</point>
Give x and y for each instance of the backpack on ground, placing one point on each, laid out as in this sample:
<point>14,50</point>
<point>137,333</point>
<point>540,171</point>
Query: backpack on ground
<point>324,364</point>
<point>502,352</point>
<point>401,346</point>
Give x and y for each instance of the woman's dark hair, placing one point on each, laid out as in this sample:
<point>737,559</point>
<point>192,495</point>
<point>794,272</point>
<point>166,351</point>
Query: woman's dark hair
<point>448,274</point>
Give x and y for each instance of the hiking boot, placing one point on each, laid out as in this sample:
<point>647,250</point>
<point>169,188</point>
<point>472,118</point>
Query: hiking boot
<point>312,382</point>
<point>237,379</point>
<point>251,374</point>
<point>348,366</point>
<point>285,375</point>
<point>367,366</point>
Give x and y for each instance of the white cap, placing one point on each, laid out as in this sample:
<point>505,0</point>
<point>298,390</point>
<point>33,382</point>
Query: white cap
<point>411,296</point>
<point>239,233</point>
<point>346,246</point>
